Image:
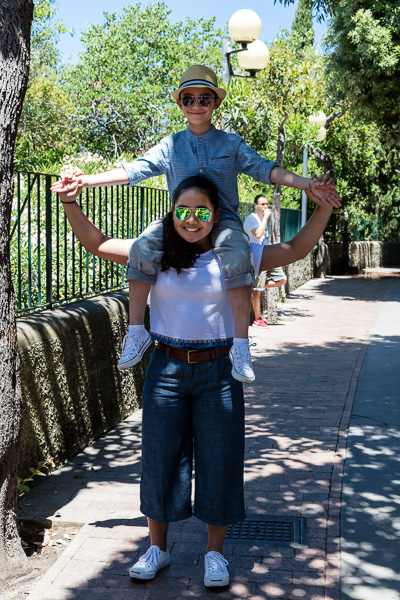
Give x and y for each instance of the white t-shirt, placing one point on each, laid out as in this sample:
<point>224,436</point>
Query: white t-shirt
<point>252,222</point>
<point>192,308</point>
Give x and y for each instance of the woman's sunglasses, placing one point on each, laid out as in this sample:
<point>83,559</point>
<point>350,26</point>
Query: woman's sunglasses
<point>204,100</point>
<point>183,213</point>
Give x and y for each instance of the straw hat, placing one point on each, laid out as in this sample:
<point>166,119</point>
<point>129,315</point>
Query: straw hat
<point>199,76</point>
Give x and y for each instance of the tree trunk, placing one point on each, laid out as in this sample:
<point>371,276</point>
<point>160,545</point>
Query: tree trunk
<point>276,197</point>
<point>321,252</point>
<point>15,24</point>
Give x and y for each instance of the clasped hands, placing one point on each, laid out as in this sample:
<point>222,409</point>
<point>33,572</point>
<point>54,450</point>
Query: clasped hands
<point>322,190</point>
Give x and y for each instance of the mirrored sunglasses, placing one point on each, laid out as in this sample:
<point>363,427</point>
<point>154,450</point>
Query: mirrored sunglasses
<point>182,213</point>
<point>204,100</point>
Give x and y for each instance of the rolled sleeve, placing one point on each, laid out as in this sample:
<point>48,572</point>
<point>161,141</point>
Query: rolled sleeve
<point>254,165</point>
<point>151,164</point>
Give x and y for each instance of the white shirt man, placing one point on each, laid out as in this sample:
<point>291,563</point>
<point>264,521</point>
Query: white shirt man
<point>256,228</point>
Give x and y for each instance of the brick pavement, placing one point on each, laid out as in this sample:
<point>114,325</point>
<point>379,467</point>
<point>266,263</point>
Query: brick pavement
<point>297,417</point>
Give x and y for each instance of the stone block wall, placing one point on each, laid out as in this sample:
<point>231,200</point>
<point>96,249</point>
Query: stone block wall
<point>72,389</point>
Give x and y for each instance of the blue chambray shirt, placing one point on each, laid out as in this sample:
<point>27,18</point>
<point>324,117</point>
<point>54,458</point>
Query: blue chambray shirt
<point>218,155</point>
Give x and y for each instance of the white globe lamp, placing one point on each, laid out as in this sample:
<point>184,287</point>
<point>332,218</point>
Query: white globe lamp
<point>321,135</point>
<point>318,119</point>
<point>255,58</point>
<point>244,26</point>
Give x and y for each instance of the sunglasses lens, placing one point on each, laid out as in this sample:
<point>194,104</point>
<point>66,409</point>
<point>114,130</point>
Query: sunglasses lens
<point>188,100</point>
<point>203,214</point>
<point>205,100</point>
<point>182,213</point>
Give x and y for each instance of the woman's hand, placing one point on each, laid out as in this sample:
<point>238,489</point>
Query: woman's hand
<point>321,189</point>
<point>70,183</point>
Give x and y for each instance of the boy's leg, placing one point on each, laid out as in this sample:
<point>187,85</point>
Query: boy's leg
<point>144,253</point>
<point>231,244</point>
<point>240,299</point>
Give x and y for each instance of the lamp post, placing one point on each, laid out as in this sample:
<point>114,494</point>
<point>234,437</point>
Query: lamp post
<point>253,56</point>
<point>319,119</point>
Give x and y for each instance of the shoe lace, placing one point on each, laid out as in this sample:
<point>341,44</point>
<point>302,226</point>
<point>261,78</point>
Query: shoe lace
<point>150,558</point>
<point>243,355</point>
<point>216,563</point>
<point>130,340</point>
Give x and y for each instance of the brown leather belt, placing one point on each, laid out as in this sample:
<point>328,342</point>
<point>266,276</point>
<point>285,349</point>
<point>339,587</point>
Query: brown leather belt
<point>194,356</point>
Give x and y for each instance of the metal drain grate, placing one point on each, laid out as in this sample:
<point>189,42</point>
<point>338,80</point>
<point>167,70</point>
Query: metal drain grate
<point>275,530</point>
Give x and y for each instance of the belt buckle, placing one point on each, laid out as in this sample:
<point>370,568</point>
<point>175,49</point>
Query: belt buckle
<point>191,362</point>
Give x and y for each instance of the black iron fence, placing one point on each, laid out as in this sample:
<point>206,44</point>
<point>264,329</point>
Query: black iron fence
<point>49,266</point>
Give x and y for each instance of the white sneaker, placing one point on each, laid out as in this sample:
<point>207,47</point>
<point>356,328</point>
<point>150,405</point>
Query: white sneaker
<point>215,571</point>
<point>133,348</point>
<point>151,562</point>
<point>242,369</point>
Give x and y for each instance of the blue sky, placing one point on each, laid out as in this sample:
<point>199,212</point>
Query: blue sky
<point>78,14</point>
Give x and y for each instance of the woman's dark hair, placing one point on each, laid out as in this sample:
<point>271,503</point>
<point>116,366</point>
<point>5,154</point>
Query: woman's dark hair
<point>178,253</point>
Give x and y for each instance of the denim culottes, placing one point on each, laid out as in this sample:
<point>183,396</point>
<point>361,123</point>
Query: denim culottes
<point>192,413</point>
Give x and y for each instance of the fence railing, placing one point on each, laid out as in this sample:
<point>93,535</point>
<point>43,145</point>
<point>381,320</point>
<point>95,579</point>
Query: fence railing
<point>49,265</point>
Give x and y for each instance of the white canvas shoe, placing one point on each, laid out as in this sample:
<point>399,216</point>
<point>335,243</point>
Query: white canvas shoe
<point>133,348</point>
<point>215,571</point>
<point>150,563</point>
<point>242,369</point>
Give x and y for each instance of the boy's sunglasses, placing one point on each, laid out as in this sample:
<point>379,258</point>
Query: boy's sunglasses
<point>189,100</point>
<point>183,212</point>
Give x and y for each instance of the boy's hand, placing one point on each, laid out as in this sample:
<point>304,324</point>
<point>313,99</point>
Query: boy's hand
<point>322,190</point>
<point>71,181</point>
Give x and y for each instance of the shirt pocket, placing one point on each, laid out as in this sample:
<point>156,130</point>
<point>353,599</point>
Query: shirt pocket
<point>223,163</point>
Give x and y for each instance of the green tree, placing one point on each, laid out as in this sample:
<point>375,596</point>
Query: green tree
<point>123,80</point>
<point>46,129</point>
<point>364,60</point>
<point>302,34</point>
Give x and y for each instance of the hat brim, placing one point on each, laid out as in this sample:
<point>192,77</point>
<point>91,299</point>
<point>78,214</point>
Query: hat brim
<point>219,91</point>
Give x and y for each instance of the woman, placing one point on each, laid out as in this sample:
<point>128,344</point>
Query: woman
<point>192,406</point>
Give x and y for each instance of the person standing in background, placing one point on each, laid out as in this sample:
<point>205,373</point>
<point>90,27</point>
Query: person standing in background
<point>256,227</point>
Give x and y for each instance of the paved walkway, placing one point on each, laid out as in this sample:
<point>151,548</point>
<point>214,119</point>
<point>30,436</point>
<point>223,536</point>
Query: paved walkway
<point>298,416</point>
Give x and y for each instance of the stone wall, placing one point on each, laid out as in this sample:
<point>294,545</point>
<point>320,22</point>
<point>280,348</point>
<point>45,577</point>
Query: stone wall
<point>362,255</point>
<point>72,390</point>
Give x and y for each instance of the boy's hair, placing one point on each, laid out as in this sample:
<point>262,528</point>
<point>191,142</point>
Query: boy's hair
<point>178,253</point>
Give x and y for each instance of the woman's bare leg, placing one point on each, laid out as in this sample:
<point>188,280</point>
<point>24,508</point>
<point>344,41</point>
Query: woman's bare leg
<point>158,534</point>
<point>216,536</point>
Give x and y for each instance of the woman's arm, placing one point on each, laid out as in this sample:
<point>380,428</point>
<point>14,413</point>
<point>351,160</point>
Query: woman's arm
<point>278,255</point>
<point>90,237</point>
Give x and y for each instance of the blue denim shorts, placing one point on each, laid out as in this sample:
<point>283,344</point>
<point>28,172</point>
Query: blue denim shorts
<point>193,415</point>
